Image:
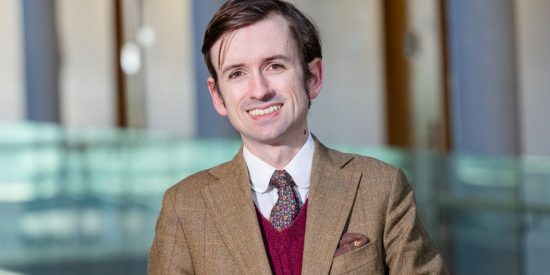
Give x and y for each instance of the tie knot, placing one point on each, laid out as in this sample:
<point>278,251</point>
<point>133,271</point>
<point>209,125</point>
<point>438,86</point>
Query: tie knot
<point>281,178</point>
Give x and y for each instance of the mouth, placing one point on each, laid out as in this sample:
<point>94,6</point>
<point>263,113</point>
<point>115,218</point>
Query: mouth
<point>260,112</point>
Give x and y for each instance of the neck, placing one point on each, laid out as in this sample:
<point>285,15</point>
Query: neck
<point>277,155</point>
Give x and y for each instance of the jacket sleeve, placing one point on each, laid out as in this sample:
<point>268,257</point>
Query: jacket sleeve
<point>169,253</point>
<point>408,248</point>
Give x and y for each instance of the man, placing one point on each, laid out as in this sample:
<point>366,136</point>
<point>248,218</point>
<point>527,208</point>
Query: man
<point>285,204</point>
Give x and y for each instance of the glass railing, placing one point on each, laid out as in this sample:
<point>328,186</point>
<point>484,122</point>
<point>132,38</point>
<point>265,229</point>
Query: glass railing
<point>86,202</point>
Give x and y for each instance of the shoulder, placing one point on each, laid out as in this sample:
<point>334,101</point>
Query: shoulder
<point>188,190</point>
<point>376,175</point>
<point>362,163</point>
<point>374,172</point>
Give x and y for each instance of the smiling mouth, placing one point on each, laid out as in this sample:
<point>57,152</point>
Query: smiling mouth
<point>266,111</point>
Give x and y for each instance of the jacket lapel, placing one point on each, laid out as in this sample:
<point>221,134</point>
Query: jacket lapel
<point>229,201</point>
<point>330,199</point>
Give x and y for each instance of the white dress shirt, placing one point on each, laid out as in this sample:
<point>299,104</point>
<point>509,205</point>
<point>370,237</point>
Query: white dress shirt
<point>264,195</point>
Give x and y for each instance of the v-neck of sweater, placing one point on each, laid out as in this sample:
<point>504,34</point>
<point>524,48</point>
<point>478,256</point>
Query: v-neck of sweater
<point>288,236</point>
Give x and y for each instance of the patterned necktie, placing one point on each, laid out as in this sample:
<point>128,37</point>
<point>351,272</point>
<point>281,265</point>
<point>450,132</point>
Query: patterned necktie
<point>287,206</point>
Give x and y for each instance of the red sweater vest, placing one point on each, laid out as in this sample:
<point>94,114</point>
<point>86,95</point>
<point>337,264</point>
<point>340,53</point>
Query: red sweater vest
<point>285,248</point>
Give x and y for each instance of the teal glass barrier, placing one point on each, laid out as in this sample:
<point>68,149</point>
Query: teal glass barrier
<point>86,201</point>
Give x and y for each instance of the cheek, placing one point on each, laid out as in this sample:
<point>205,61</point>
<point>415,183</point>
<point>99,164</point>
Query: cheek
<point>299,93</point>
<point>231,97</point>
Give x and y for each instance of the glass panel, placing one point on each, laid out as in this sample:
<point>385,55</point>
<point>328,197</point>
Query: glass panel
<point>86,202</point>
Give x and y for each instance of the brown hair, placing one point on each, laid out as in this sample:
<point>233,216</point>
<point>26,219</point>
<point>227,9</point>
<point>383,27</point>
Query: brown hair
<point>236,14</point>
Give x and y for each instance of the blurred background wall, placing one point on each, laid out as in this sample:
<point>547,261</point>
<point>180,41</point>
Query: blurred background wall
<point>413,74</point>
<point>87,79</point>
<point>11,67</point>
<point>450,75</point>
<point>533,42</point>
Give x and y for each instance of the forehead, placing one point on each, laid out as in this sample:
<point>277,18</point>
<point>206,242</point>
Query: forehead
<point>269,37</point>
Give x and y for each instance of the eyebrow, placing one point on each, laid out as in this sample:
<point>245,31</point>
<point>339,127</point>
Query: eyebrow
<point>269,59</point>
<point>279,56</point>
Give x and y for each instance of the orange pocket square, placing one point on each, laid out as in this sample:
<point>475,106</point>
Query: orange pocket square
<point>350,242</point>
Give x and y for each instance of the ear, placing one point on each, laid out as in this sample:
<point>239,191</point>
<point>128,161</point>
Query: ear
<point>316,81</point>
<point>217,99</point>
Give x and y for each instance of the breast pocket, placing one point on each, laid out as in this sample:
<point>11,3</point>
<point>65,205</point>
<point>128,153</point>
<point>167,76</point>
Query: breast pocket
<point>364,260</point>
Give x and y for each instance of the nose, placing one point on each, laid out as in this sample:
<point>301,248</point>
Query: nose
<point>261,90</point>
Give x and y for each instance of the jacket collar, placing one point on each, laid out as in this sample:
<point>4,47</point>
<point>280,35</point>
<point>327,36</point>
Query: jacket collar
<point>333,188</point>
<point>334,184</point>
<point>229,201</point>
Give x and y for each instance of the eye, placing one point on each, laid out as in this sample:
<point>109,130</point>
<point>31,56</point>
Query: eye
<point>275,67</point>
<point>235,74</point>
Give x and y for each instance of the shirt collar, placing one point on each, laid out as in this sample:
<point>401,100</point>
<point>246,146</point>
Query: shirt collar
<point>299,168</point>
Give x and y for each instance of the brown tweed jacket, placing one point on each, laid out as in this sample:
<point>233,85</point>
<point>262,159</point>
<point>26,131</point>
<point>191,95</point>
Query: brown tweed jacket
<point>208,224</point>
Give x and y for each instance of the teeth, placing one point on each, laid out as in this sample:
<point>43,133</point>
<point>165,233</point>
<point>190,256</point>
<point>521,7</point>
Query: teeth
<point>266,111</point>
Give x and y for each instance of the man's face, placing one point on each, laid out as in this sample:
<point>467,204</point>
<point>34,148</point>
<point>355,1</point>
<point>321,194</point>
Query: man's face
<point>261,84</point>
